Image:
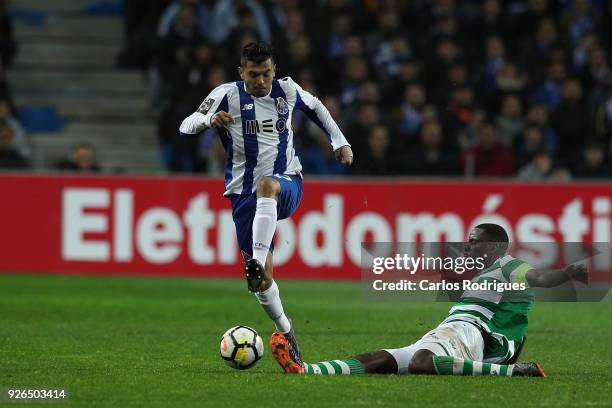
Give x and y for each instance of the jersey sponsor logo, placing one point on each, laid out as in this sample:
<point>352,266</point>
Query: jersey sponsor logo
<point>206,105</point>
<point>281,106</point>
<point>268,126</point>
<point>251,127</point>
<point>281,124</point>
<point>247,106</point>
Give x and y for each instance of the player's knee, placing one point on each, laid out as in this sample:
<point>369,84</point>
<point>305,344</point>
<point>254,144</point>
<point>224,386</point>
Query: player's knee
<point>268,187</point>
<point>422,363</point>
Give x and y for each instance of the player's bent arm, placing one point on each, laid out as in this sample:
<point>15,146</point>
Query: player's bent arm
<point>193,124</point>
<point>318,113</point>
<point>548,278</point>
<point>203,116</point>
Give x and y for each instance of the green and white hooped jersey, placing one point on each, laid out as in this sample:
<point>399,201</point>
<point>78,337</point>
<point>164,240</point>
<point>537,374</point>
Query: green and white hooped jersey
<point>501,314</point>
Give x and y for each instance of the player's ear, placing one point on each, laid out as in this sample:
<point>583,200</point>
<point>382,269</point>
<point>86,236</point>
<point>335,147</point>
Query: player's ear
<point>241,71</point>
<point>273,70</point>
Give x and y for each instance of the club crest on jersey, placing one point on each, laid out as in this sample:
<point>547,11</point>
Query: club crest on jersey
<point>206,105</point>
<point>281,106</point>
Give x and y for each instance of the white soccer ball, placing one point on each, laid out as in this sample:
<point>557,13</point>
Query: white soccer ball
<point>241,347</point>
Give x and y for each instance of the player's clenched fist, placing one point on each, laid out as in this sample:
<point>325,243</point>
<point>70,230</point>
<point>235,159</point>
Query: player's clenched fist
<point>578,272</point>
<point>345,155</point>
<point>221,119</point>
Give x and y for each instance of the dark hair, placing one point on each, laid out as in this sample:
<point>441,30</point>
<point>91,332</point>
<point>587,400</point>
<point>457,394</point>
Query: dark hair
<point>593,144</point>
<point>494,232</point>
<point>256,52</point>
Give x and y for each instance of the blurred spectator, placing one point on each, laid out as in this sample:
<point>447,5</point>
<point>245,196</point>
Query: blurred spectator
<point>9,156</point>
<point>488,158</point>
<point>560,174</point>
<point>545,40</point>
<point>593,164</point>
<point>216,19</point>
<point>340,29</point>
<point>549,92</point>
<point>314,151</point>
<point>8,44</point>
<point>376,159</point>
<point>467,136</point>
<point>490,20</point>
<point>582,51</point>
<point>429,158</point>
<point>368,117</point>
<point>538,115</point>
<point>460,109</point>
<point>570,120</point>
<point>540,167</point>
<point>598,67</point>
<point>530,141</point>
<point>411,111</point>
<point>495,59</point>
<point>248,17</point>
<point>389,26</point>
<point>510,79</point>
<point>580,20</point>
<point>140,31</point>
<point>82,159</point>
<point>355,72</point>
<point>510,121</point>
<point>603,115</point>
<point>20,141</point>
<point>390,55</point>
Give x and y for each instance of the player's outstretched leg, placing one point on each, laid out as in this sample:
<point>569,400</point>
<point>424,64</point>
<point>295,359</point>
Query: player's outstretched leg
<point>379,362</point>
<point>425,362</point>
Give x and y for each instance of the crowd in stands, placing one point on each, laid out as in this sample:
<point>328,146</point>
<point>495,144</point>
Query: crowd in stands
<point>491,88</point>
<point>14,148</point>
<point>471,88</point>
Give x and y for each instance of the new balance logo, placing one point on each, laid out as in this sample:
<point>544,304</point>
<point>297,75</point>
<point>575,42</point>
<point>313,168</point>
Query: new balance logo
<point>247,106</point>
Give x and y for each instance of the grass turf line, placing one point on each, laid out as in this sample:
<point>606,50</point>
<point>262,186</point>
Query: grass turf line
<point>116,341</point>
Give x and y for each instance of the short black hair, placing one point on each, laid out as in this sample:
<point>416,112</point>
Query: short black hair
<point>494,232</point>
<point>256,52</point>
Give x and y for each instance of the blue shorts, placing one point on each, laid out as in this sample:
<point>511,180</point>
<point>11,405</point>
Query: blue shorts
<point>244,206</point>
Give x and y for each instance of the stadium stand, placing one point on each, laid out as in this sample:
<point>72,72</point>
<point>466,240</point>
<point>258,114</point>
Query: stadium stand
<point>68,90</point>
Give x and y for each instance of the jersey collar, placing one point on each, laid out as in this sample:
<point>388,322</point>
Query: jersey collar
<point>257,97</point>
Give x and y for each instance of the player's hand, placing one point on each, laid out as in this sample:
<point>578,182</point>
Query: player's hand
<point>344,155</point>
<point>578,272</point>
<point>221,119</point>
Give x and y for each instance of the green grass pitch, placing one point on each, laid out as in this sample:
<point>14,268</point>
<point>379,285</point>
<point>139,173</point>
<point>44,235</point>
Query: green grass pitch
<point>116,341</point>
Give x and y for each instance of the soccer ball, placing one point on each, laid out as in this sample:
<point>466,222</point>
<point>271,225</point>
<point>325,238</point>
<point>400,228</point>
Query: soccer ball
<point>241,347</point>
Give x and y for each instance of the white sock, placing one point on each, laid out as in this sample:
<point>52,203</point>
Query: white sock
<point>271,303</point>
<point>264,225</point>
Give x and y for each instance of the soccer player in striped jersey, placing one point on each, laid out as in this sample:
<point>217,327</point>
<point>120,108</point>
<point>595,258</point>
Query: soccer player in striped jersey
<point>483,334</point>
<point>263,176</point>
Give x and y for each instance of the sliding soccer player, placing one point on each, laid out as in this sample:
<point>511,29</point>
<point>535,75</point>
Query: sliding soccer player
<point>483,334</point>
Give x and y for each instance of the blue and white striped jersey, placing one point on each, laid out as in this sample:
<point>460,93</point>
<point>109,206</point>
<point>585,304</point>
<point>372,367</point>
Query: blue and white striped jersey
<point>260,141</point>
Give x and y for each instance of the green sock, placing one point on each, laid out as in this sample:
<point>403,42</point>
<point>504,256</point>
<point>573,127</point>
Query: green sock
<point>333,367</point>
<point>457,366</point>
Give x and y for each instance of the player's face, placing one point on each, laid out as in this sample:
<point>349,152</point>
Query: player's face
<point>258,77</point>
<point>478,247</point>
